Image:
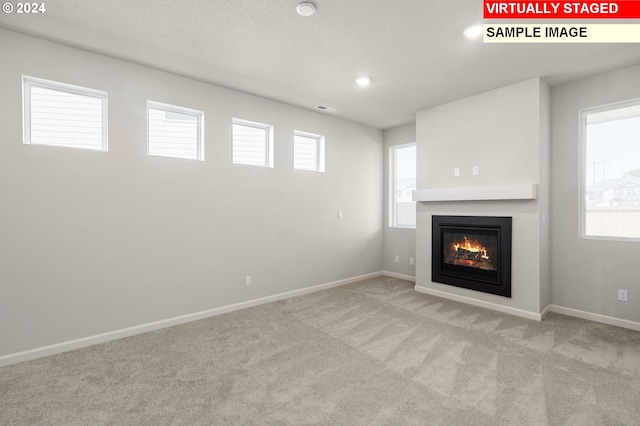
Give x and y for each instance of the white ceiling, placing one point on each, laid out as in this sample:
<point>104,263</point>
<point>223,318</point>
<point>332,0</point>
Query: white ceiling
<point>413,49</point>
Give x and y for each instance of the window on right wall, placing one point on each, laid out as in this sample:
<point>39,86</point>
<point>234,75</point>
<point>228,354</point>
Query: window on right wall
<point>610,157</point>
<point>308,151</point>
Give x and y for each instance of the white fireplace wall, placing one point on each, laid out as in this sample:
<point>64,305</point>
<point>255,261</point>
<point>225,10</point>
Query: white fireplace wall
<point>525,271</point>
<point>505,133</point>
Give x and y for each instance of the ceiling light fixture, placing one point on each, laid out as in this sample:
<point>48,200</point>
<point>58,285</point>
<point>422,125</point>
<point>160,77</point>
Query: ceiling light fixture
<point>306,9</point>
<point>363,81</point>
<point>473,31</point>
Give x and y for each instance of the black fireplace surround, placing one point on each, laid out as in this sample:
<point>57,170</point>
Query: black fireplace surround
<point>472,252</point>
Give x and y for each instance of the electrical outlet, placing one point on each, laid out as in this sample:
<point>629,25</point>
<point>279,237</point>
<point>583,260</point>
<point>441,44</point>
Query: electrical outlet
<point>397,259</point>
<point>412,261</point>
<point>476,170</point>
<point>456,171</point>
<point>622,295</point>
<point>340,215</point>
<point>247,280</point>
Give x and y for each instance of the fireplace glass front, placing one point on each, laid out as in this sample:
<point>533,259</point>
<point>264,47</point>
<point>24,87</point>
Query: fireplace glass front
<point>473,252</point>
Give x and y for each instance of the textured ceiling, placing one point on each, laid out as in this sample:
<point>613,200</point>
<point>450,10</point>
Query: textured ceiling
<point>413,49</point>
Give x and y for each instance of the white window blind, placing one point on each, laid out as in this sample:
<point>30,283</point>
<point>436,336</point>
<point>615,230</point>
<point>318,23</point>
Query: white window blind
<point>174,131</point>
<point>252,143</point>
<point>60,114</point>
<point>308,152</point>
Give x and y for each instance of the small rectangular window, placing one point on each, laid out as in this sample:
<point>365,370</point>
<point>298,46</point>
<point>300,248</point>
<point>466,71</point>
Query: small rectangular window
<point>252,143</point>
<point>308,152</point>
<point>60,114</point>
<point>402,170</point>
<point>174,131</point>
<point>610,143</point>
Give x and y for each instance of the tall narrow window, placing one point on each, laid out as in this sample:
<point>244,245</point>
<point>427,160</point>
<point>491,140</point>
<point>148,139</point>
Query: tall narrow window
<point>60,114</point>
<point>174,131</point>
<point>403,181</point>
<point>611,171</point>
<point>308,152</point>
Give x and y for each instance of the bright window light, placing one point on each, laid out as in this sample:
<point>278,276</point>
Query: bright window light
<point>308,152</point>
<point>402,208</point>
<point>252,143</point>
<point>174,131</point>
<point>610,195</point>
<point>59,114</point>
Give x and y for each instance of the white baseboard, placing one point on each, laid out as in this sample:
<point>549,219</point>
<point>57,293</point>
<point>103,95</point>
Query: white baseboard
<point>604,319</point>
<point>483,304</point>
<point>400,276</point>
<point>545,311</point>
<point>156,325</point>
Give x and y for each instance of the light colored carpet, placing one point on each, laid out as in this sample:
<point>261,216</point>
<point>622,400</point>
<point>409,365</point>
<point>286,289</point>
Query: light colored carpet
<point>372,352</point>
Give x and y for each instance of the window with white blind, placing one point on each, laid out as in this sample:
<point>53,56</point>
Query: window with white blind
<point>610,142</point>
<point>252,143</point>
<point>60,114</point>
<point>174,131</point>
<point>308,152</point>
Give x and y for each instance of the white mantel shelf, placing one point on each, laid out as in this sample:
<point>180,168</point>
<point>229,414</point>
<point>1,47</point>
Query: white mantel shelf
<point>525,191</point>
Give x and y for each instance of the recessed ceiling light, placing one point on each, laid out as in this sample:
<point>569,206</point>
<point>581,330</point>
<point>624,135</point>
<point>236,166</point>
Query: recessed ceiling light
<point>363,81</point>
<point>473,31</point>
<point>306,9</point>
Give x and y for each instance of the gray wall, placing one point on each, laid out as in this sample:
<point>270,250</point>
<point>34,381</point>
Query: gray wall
<point>92,242</point>
<point>586,274</point>
<point>397,241</point>
<point>505,133</point>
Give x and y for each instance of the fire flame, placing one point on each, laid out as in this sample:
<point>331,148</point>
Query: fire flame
<point>473,248</point>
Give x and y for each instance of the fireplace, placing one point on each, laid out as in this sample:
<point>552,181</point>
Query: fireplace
<point>473,252</point>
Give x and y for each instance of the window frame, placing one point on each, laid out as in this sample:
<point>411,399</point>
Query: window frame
<point>268,128</point>
<point>583,168</point>
<point>320,151</point>
<point>28,82</point>
<point>392,185</point>
<point>164,107</point>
